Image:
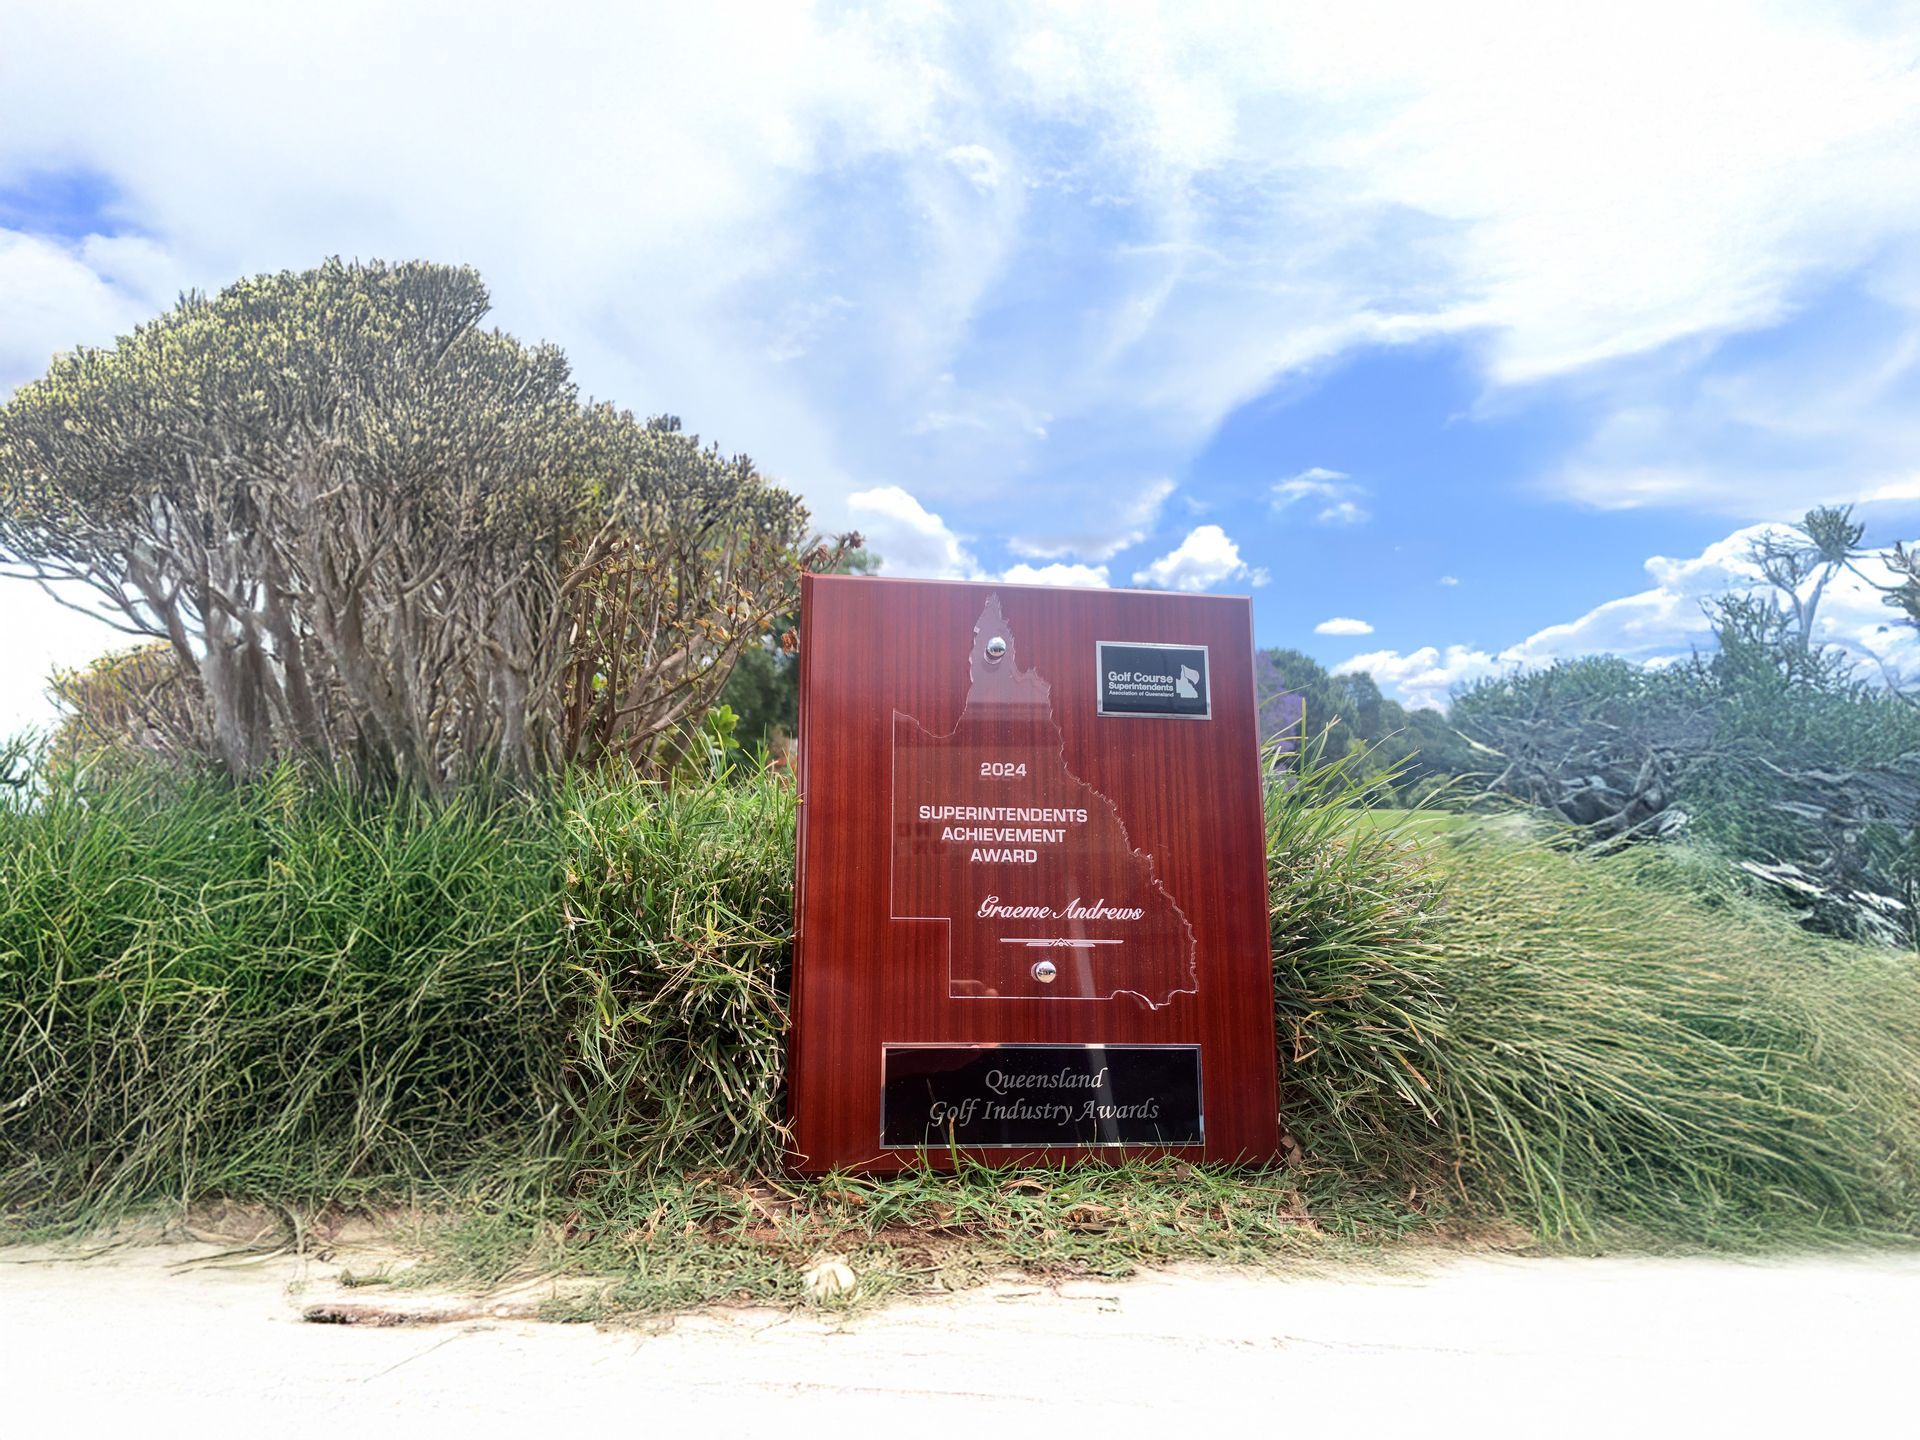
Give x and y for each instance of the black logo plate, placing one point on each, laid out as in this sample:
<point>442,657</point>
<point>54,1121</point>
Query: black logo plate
<point>1142,679</point>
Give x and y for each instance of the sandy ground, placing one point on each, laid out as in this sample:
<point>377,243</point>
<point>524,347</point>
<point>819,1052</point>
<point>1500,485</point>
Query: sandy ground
<point>162,1339</point>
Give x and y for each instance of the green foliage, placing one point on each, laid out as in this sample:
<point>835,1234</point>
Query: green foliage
<point>764,691</point>
<point>663,1242</point>
<point>288,992</point>
<point>1418,749</point>
<point>1772,747</point>
<point>1637,1049</point>
<point>700,558</point>
<point>1618,1047</point>
<point>281,991</point>
<point>1757,744</point>
<point>1358,1001</point>
<point>363,531</point>
<point>678,939</point>
<point>764,688</point>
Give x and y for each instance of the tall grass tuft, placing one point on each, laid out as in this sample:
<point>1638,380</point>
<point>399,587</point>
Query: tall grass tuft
<point>1359,1002</point>
<point>1591,1047</point>
<point>678,946</point>
<point>288,992</point>
<point>1638,1049</point>
<point>283,991</point>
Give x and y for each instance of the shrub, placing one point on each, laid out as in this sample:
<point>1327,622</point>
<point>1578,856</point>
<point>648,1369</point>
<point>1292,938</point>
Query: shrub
<point>1635,1046</point>
<point>1590,1046</point>
<point>678,944</point>
<point>1771,754</point>
<point>279,991</point>
<point>283,991</point>
<point>1360,1009</point>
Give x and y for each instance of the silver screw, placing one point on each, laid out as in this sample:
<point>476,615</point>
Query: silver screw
<point>1044,972</point>
<point>996,647</point>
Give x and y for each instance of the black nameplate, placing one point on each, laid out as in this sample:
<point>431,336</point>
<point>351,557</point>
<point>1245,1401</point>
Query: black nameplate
<point>1021,1096</point>
<point>1153,680</point>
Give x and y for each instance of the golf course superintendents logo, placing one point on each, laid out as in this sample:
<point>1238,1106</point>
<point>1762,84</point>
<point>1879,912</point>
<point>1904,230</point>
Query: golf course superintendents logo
<point>1149,680</point>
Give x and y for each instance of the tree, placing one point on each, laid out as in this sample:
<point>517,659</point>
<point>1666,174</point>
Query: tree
<point>1298,698</point>
<point>1601,742</point>
<point>1798,562</point>
<point>764,688</point>
<point>124,701</point>
<point>699,567</point>
<point>1769,746</point>
<point>371,533</point>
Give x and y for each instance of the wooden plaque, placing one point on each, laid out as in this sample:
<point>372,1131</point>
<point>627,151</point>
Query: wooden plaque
<point>1031,901</point>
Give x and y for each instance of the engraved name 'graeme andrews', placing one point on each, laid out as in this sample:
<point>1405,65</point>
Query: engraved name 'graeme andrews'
<point>991,908</point>
<point>1003,834</point>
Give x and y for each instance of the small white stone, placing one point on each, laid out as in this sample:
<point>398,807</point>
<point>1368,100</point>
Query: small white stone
<point>830,1276</point>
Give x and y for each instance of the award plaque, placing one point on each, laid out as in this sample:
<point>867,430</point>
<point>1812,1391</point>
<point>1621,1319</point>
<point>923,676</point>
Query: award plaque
<point>1031,914</point>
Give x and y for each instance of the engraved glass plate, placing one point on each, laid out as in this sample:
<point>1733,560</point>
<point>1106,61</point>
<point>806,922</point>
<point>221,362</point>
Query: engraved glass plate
<point>1029,867</point>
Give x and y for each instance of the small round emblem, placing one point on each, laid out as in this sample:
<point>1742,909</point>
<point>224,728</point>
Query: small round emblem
<point>1044,972</point>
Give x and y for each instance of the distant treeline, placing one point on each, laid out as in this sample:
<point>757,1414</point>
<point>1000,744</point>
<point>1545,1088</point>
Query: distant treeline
<point>1420,748</point>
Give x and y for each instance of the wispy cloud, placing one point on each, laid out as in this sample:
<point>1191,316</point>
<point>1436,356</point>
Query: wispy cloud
<point>1250,192</point>
<point>1109,532</point>
<point>1329,494</point>
<point>1013,252</point>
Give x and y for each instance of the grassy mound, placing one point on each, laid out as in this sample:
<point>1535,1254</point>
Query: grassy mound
<point>290,993</point>
<point>678,941</point>
<point>280,992</point>
<point>1635,1046</point>
<point>1594,1047</point>
<point>574,1009</point>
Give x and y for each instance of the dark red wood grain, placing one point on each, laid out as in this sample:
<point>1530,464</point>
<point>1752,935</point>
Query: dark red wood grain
<point>1187,792</point>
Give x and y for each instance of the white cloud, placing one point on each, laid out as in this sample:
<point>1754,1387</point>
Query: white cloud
<point>1205,559</point>
<point>1571,192</point>
<point>55,296</point>
<point>1343,512</point>
<point>1113,224</point>
<point>1093,577</point>
<point>1122,529</point>
<point>1316,483</point>
<point>1663,623</point>
<point>914,542</point>
<point>977,163</point>
<point>1343,625</point>
<point>1333,491</point>
<point>1448,580</point>
<point>1293,184</point>
<point>910,539</point>
<point>1427,677</point>
<point>1833,415</point>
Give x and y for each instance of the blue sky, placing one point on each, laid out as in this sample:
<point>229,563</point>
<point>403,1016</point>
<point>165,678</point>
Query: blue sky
<point>1461,337</point>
